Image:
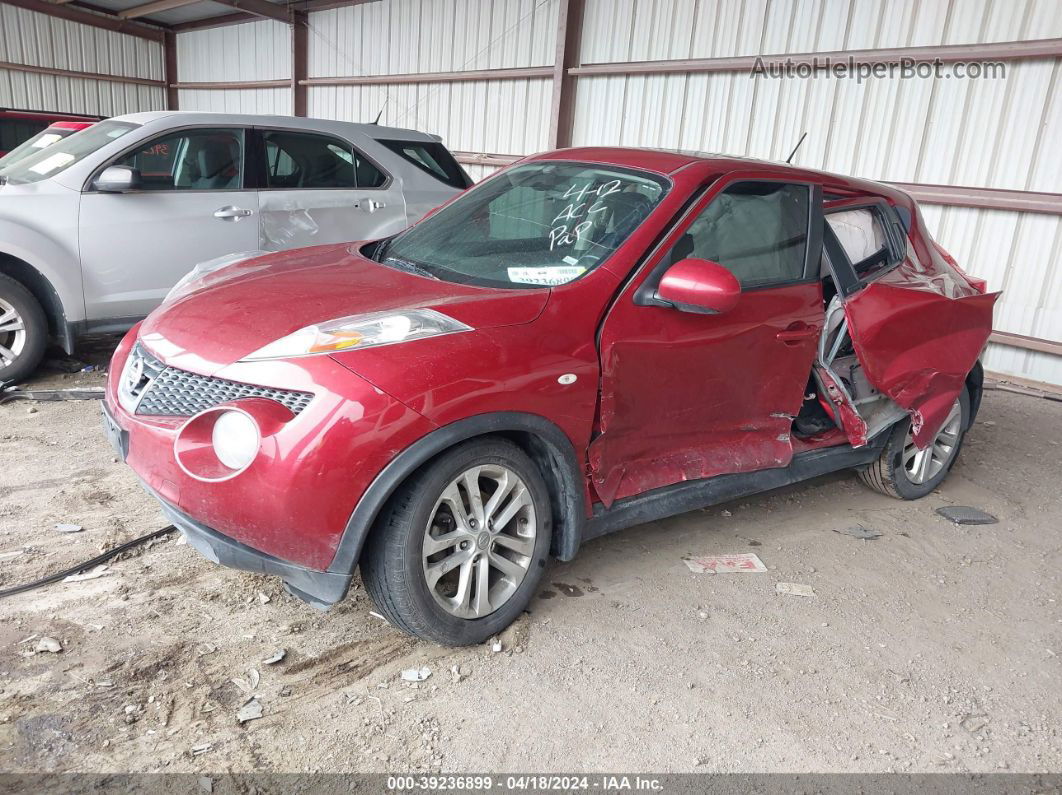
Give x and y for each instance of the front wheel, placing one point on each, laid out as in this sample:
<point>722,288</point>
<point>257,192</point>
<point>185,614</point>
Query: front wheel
<point>462,546</point>
<point>907,473</point>
<point>23,331</point>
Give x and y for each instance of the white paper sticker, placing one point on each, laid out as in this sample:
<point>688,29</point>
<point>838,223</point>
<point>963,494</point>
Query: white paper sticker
<point>46,140</point>
<point>50,164</point>
<point>548,275</point>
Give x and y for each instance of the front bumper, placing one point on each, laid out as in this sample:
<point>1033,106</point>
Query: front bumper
<point>321,589</point>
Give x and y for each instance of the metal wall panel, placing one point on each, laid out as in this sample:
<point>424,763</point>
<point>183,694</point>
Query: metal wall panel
<point>480,116</point>
<point>639,30</point>
<point>993,133</point>
<point>74,95</point>
<point>269,101</point>
<point>410,36</point>
<point>39,40</point>
<point>251,51</point>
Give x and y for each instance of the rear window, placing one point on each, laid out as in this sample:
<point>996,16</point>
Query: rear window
<point>433,158</point>
<point>863,235</point>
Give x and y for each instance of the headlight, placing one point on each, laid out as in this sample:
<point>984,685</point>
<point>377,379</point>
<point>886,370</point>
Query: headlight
<point>360,331</point>
<point>235,439</point>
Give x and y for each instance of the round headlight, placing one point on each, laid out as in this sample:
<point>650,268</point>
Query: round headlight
<point>236,440</point>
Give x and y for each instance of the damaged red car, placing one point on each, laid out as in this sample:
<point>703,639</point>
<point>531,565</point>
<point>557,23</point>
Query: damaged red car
<point>588,340</point>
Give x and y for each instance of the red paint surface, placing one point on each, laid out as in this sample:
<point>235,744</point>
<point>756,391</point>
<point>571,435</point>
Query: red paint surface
<point>682,395</point>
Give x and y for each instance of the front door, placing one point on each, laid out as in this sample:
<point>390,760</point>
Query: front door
<point>191,207</point>
<point>687,396</point>
<point>319,189</point>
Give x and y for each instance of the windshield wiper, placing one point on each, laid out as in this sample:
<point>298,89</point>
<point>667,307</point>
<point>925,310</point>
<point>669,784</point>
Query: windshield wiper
<point>410,267</point>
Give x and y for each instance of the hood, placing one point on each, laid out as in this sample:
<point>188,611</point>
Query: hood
<point>233,312</point>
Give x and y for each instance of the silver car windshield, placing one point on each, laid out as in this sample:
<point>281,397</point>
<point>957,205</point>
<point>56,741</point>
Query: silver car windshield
<point>536,225</point>
<point>61,155</point>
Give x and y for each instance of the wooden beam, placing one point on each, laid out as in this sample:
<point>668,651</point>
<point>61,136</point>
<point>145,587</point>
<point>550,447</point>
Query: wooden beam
<point>433,77</point>
<point>96,20</point>
<point>47,70</point>
<point>260,8</point>
<point>300,62</point>
<point>995,51</point>
<point>154,8</point>
<point>169,64</point>
<point>569,36</point>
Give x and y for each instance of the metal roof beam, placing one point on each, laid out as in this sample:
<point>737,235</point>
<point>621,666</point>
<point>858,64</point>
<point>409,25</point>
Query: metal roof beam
<point>154,8</point>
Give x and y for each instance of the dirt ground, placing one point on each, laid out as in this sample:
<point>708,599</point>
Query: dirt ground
<point>934,648</point>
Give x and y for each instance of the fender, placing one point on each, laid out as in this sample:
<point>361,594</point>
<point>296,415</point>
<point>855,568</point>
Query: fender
<point>549,444</point>
<point>56,265</point>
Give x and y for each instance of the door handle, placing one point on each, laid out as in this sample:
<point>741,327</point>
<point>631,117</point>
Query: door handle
<point>231,213</point>
<point>369,205</point>
<point>794,333</point>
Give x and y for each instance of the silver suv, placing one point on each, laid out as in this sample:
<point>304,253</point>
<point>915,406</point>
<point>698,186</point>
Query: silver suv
<point>97,228</point>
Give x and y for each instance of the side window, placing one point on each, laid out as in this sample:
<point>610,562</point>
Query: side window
<point>190,160</point>
<point>861,233</point>
<point>433,158</point>
<point>307,161</point>
<point>757,230</point>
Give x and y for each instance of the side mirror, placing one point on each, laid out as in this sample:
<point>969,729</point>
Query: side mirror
<point>700,286</point>
<point>117,179</point>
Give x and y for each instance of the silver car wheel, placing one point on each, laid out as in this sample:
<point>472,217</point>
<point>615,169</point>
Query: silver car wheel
<point>924,465</point>
<point>12,334</point>
<point>479,541</point>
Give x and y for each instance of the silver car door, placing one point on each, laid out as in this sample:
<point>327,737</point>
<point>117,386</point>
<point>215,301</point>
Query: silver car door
<point>320,189</point>
<point>189,206</point>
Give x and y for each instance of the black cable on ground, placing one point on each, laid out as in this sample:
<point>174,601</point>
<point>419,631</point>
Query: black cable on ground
<point>88,564</point>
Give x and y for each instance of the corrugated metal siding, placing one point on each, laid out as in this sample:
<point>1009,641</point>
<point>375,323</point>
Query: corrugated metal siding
<point>270,101</point>
<point>38,40</point>
<point>481,116</point>
<point>441,36</point>
<point>252,51</point>
<point>410,36</point>
<point>995,133</point>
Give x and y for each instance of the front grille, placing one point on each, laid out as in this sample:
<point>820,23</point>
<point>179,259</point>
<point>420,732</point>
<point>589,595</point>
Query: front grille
<point>169,392</point>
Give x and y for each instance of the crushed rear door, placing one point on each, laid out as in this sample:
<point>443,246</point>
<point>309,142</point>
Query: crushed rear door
<point>916,325</point>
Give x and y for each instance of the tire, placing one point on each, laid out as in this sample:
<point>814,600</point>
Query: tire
<point>891,477</point>
<point>397,568</point>
<point>22,345</point>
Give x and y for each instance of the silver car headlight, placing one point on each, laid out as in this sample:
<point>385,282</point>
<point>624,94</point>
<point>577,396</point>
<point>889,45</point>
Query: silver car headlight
<point>360,331</point>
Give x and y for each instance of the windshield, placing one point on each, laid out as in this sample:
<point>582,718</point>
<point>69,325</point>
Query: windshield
<point>32,146</point>
<point>65,153</point>
<point>540,224</point>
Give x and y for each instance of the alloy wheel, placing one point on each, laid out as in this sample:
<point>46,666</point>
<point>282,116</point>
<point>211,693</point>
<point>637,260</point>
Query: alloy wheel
<point>924,465</point>
<point>12,334</point>
<point>479,541</point>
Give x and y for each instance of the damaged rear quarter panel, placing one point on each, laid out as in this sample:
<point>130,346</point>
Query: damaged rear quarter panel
<point>918,341</point>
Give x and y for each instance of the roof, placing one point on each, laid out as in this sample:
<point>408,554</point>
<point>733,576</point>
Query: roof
<point>668,161</point>
<point>290,122</point>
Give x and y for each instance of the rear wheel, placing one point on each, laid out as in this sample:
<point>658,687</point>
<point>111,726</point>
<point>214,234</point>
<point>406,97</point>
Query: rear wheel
<point>23,331</point>
<point>907,473</point>
<point>462,546</point>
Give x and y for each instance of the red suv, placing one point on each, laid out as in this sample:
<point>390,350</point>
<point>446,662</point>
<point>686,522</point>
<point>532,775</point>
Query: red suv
<point>588,340</point>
